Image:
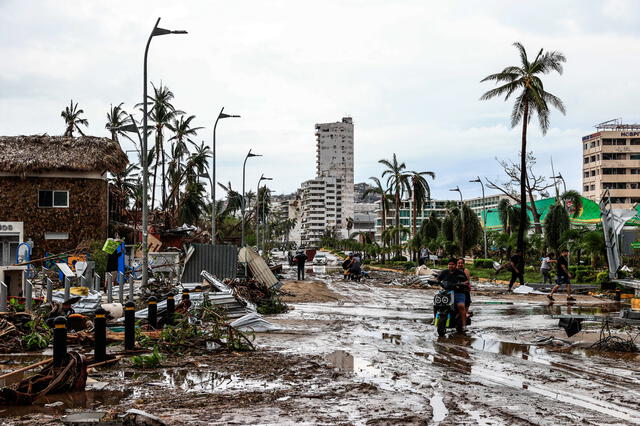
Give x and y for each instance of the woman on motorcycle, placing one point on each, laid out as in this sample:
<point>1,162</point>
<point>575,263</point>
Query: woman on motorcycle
<point>456,279</point>
<point>460,267</point>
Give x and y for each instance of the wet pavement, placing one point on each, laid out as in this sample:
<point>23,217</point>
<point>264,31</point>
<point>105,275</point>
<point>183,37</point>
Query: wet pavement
<point>372,356</point>
<point>494,375</point>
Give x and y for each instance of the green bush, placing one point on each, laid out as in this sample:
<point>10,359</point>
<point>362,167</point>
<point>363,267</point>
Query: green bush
<point>602,277</point>
<point>399,258</point>
<point>483,263</point>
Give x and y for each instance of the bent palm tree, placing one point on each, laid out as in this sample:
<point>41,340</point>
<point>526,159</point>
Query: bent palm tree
<point>116,117</point>
<point>72,119</point>
<point>532,99</point>
<point>421,192</point>
<point>397,179</point>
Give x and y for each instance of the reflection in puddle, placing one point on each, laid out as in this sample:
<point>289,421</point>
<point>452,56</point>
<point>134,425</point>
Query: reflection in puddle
<point>440,410</point>
<point>59,403</point>
<point>201,381</point>
<point>344,361</point>
<point>392,338</point>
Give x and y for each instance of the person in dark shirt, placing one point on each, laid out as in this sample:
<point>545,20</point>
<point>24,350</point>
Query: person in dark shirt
<point>467,282</point>
<point>563,275</point>
<point>456,279</point>
<point>517,269</point>
<point>300,258</point>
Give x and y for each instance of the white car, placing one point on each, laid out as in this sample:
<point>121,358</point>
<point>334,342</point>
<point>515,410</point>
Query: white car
<point>320,259</point>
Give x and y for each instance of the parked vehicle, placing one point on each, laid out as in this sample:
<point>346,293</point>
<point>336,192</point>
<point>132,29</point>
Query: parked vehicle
<point>320,259</point>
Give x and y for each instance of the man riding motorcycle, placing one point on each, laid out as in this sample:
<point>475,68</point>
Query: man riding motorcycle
<point>457,279</point>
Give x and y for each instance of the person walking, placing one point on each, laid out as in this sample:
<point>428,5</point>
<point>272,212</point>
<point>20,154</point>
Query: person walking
<point>563,275</point>
<point>300,259</point>
<point>545,267</point>
<point>517,269</point>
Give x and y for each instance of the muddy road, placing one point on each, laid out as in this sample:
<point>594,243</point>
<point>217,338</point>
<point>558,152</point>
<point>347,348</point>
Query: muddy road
<point>365,353</point>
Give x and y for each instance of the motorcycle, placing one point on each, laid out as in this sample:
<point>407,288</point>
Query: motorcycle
<point>445,313</point>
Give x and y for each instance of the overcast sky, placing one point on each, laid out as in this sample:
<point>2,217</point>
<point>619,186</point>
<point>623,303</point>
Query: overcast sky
<point>408,72</point>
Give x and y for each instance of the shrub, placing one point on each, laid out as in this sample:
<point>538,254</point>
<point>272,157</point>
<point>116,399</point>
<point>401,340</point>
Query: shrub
<point>602,277</point>
<point>483,263</point>
<point>399,258</point>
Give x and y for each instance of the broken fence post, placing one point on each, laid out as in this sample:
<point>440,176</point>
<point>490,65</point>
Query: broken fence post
<point>96,282</point>
<point>100,336</point>
<point>28,296</point>
<point>109,277</point>
<point>3,297</point>
<point>171,308</point>
<point>67,288</point>
<point>121,288</point>
<point>59,341</point>
<point>49,290</point>
<point>129,326</point>
<point>152,312</point>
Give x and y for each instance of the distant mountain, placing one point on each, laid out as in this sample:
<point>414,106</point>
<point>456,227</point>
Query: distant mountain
<point>358,191</point>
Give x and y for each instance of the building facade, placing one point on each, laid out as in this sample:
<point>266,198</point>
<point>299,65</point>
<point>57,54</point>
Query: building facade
<point>326,202</point>
<point>479,205</point>
<point>611,161</point>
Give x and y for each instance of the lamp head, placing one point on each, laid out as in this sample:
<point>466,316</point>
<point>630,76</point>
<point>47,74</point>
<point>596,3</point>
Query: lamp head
<point>161,31</point>
<point>125,128</point>
<point>224,115</point>
<point>476,180</point>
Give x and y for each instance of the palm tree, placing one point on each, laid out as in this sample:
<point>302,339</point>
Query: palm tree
<point>162,113</point>
<point>556,223</point>
<point>420,192</point>
<point>398,180</point>
<point>116,117</point>
<point>532,99</point>
<point>384,201</point>
<point>71,115</point>
<point>573,200</point>
<point>123,187</point>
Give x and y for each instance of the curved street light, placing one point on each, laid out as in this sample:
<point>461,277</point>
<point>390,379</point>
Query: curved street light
<point>484,215</point>
<point>262,177</point>
<point>243,201</point>
<point>214,209</point>
<point>157,31</point>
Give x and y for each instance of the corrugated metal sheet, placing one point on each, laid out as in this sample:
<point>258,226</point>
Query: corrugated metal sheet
<point>221,261</point>
<point>258,266</point>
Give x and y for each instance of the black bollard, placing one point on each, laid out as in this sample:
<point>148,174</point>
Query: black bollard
<point>129,326</point>
<point>59,341</point>
<point>171,308</point>
<point>617,296</point>
<point>152,312</point>
<point>100,336</point>
<point>198,289</point>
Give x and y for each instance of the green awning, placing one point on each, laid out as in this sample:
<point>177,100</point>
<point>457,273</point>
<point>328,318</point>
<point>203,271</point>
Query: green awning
<point>589,215</point>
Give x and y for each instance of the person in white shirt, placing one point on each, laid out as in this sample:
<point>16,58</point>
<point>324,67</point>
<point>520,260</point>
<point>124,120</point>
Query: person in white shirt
<point>545,267</point>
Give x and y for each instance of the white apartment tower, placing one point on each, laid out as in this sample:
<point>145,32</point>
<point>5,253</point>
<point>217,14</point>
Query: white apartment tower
<point>327,200</point>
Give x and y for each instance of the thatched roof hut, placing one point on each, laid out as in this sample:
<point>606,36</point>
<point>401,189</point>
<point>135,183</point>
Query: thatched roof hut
<point>43,153</point>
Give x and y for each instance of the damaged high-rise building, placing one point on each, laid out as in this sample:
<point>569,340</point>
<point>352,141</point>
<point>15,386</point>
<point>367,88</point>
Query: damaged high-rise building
<point>327,200</point>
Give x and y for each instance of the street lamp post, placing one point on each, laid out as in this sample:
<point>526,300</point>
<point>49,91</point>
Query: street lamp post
<point>564,184</point>
<point>157,31</point>
<point>214,211</point>
<point>484,215</point>
<point>258,206</point>
<point>457,189</point>
<point>243,202</point>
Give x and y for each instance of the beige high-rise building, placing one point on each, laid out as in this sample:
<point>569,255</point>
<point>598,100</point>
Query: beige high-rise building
<point>611,160</point>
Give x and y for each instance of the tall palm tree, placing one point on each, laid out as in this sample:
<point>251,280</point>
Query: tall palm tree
<point>398,180</point>
<point>532,99</point>
<point>378,189</point>
<point>72,119</point>
<point>162,113</point>
<point>556,223</point>
<point>420,192</point>
<point>116,117</point>
<point>572,200</point>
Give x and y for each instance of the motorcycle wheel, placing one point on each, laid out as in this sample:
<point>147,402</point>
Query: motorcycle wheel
<point>442,326</point>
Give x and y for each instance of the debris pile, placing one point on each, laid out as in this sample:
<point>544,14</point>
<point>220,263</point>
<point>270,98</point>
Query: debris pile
<point>21,331</point>
<point>72,376</point>
<point>610,343</point>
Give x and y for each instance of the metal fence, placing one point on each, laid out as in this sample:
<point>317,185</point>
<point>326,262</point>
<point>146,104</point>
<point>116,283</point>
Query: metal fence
<point>221,261</point>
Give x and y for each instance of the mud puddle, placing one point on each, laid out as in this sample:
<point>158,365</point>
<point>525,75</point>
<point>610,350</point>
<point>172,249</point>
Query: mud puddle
<point>194,381</point>
<point>60,403</point>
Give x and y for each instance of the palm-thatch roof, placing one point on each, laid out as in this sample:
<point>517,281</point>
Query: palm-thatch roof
<point>43,153</point>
